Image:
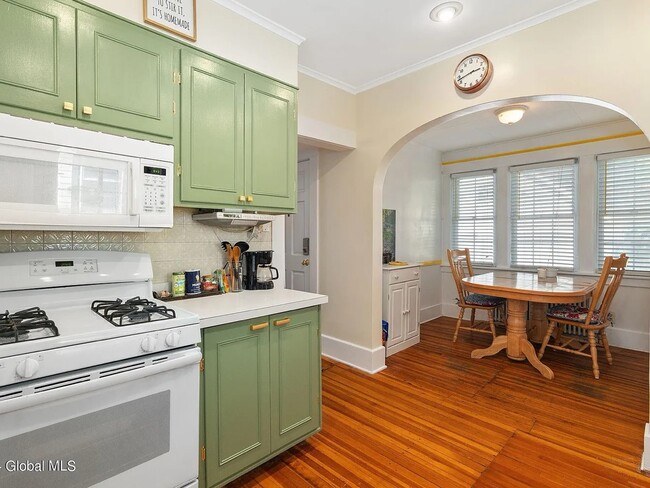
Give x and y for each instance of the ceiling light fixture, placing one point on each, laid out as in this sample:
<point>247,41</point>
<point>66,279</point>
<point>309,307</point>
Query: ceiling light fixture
<point>511,115</point>
<point>446,11</point>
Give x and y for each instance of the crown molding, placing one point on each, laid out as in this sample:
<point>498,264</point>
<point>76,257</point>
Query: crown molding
<point>262,21</point>
<point>327,79</point>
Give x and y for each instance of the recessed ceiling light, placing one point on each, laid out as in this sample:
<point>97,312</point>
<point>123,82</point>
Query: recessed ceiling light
<point>511,115</point>
<point>446,11</point>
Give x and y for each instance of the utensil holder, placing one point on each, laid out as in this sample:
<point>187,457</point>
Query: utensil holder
<point>236,278</point>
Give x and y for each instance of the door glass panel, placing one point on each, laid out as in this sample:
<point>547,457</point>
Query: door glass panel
<point>63,181</point>
<point>90,448</point>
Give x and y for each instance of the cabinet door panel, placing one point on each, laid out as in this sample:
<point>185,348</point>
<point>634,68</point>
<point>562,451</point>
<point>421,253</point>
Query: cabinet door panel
<point>271,144</point>
<point>237,412</point>
<point>125,75</point>
<point>412,318</point>
<point>396,307</point>
<point>295,376</point>
<point>212,130</point>
<point>37,59</point>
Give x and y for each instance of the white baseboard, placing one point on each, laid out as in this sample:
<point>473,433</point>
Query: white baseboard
<point>619,337</point>
<point>368,360</point>
<point>628,339</point>
<point>430,313</point>
<point>645,458</point>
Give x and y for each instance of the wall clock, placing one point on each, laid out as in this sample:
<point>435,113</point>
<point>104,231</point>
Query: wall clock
<point>472,73</point>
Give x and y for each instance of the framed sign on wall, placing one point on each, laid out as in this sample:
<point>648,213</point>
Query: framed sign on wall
<point>177,16</point>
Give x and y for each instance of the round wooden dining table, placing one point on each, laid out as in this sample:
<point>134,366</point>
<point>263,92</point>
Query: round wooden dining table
<point>518,289</point>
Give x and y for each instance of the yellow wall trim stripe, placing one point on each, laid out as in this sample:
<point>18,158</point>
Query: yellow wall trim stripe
<point>542,148</point>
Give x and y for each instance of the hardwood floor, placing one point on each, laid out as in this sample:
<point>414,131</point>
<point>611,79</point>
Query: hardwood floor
<point>436,417</point>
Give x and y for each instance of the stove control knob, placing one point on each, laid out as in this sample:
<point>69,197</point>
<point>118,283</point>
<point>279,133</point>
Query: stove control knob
<point>173,339</point>
<point>27,368</point>
<point>148,344</point>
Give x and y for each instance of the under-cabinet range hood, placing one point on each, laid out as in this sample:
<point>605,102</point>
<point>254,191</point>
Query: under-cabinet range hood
<point>225,219</point>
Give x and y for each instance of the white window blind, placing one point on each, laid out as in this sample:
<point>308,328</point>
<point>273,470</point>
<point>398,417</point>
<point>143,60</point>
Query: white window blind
<point>472,220</point>
<point>624,210</point>
<point>543,210</point>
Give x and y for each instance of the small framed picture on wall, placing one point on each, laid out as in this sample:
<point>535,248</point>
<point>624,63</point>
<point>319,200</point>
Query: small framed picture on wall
<point>177,16</point>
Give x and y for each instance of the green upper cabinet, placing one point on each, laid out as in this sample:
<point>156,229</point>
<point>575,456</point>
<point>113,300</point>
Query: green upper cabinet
<point>271,143</point>
<point>238,138</point>
<point>295,377</point>
<point>37,58</point>
<point>125,75</point>
<point>212,130</point>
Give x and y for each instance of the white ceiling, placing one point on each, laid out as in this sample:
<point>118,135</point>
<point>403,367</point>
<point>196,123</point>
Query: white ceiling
<point>358,44</point>
<point>542,117</point>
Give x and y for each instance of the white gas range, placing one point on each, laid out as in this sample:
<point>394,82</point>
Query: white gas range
<point>99,383</point>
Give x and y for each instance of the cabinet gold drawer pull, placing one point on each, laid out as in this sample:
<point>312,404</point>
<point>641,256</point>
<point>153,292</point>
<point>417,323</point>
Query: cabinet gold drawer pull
<point>68,106</point>
<point>281,322</point>
<point>242,198</point>
<point>249,198</point>
<point>87,110</point>
<point>263,325</point>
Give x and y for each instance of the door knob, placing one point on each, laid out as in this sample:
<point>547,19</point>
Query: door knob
<point>305,262</point>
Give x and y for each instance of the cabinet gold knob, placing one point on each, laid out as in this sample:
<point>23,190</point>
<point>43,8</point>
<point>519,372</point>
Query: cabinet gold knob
<point>87,110</point>
<point>249,198</point>
<point>68,106</point>
<point>263,325</point>
<point>242,198</point>
<point>280,322</point>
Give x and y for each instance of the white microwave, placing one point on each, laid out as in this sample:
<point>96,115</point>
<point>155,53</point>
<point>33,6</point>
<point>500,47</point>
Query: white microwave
<point>57,177</point>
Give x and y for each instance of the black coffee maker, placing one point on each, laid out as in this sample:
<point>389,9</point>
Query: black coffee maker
<point>259,272</point>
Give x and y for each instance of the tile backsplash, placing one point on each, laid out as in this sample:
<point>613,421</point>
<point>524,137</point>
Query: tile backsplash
<point>187,245</point>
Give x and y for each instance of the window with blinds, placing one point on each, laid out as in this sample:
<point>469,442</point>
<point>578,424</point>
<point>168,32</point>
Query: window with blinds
<point>472,214</point>
<point>624,209</point>
<point>543,215</point>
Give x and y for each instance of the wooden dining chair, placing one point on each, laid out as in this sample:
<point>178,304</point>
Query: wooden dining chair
<point>594,319</point>
<point>461,267</point>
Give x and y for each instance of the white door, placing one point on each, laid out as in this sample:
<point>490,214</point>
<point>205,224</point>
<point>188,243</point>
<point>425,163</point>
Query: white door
<point>396,308</point>
<point>300,231</point>
<point>412,317</point>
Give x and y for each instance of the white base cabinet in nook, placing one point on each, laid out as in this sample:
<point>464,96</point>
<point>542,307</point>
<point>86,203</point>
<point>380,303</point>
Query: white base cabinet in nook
<point>401,306</point>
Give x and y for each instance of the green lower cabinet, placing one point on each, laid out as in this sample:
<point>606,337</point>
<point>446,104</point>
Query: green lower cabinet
<point>261,391</point>
<point>295,376</point>
<point>236,398</point>
<point>38,57</point>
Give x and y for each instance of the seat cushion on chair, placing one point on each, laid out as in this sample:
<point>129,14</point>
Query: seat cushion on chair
<point>483,300</point>
<point>574,313</point>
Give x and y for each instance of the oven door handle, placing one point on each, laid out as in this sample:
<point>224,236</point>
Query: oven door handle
<point>192,356</point>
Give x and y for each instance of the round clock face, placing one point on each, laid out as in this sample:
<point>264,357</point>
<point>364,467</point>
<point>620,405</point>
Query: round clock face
<point>472,73</point>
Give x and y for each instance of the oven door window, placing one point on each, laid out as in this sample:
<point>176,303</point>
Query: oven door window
<point>140,432</point>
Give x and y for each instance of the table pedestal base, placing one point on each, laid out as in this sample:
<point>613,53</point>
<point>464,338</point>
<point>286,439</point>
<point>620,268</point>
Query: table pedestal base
<point>515,341</point>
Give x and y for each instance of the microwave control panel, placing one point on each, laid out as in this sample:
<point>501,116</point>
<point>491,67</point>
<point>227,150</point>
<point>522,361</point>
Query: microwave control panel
<point>157,198</point>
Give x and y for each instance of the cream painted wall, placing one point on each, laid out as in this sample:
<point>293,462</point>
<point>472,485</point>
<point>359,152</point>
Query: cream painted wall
<point>327,116</point>
<point>412,189</point>
<point>228,35</point>
<point>631,309</point>
<point>591,52</point>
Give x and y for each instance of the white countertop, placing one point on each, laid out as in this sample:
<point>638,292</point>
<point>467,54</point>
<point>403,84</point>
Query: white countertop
<point>390,267</point>
<point>248,304</point>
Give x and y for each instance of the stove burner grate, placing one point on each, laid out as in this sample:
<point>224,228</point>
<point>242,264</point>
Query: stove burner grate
<point>26,325</point>
<point>133,311</point>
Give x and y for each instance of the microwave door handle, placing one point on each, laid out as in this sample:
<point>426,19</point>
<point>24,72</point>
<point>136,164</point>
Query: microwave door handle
<point>134,204</point>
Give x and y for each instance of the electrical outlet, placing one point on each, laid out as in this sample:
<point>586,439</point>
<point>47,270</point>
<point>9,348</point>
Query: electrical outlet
<point>613,315</point>
<point>266,227</point>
